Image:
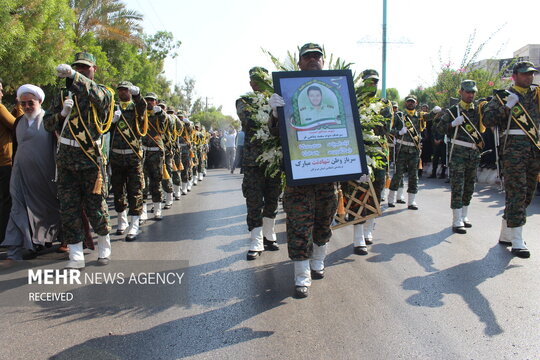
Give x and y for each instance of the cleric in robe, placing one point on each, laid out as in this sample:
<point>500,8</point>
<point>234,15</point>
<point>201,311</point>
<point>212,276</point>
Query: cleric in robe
<point>35,214</point>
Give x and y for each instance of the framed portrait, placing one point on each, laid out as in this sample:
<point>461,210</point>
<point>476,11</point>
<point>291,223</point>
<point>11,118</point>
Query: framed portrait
<point>319,127</point>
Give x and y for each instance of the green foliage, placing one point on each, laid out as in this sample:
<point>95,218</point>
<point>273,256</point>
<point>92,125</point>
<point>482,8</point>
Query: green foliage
<point>213,118</point>
<point>392,94</point>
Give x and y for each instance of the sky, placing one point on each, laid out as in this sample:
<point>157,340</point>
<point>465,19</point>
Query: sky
<point>222,39</point>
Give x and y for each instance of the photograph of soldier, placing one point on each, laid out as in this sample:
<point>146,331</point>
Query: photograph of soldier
<point>260,190</point>
<point>462,124</point>
<point>317,110</point>
<point>130,123</point>
<point>80,114</point>
<point>309,209</point>
<point>520,150</point>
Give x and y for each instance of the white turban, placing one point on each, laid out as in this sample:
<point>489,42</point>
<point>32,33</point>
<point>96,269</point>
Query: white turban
<point>31,89</point>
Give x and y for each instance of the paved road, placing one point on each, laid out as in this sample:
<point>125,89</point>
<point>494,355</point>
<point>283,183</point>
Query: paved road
<point>421,293</point>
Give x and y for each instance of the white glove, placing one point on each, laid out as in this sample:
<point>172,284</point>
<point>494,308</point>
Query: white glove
<point>275,101</point>
<point>134,90</point>
<point>68,105</point>
<point>65,71</point>
<point>157,109</point>
<point>116,116</point>
<point>363,179</point>
<point>511,100</point>
<point>458,121</point>
<point>436,109</point>
<point>402,131</point>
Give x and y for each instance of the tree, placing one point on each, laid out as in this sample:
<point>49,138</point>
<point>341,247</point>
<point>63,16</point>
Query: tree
<point>35,38</point>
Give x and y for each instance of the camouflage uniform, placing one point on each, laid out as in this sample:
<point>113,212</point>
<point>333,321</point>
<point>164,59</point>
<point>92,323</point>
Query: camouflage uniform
<point>127,169</point>
<point>261,191</point>
<point>185,150</point>
<point>77,174</point>
<point>465,160</point>
<point>177,157</point>
<point>520,157</point>
<point>169,152</point>
<point>154,154</point>
<point>407,154</point>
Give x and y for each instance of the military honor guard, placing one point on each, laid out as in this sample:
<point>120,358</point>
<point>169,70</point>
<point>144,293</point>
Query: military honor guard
<point>177,157</point>
<point>408,138</point>
<point>130,124</point>
<point>463,125</point>
<point>310,209</point>
<point>168,133</point>
<point>260,190</point>
<point>154,158</point>
<point>80,115</point>
<point>516,113</point>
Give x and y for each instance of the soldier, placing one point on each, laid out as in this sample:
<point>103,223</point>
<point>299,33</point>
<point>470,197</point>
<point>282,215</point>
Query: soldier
<point>462,124</point>
<point>126,157</point>
<point>516,111</point>
<point>168,142</point>
<point>200,142</point>
<point>363,232</point>
<point>80,115</point>
<point>185,149</point>
<point>177,157</point>
<point>408,151</point>
<point>310,208</point>
<point>260,190</point>
<point>154,154</point>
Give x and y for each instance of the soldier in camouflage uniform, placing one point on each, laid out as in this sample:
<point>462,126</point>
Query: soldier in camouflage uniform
<point>363,232</point>
<point>260,190</point>
<point>185,149</point>
<point>126,157</point>
<point>80,115</point>
<point>520,153</point>
<point>462,124</point>
<point>200,143</point>
<point>168,143</point>
<point>177,157</point>
<point>407,152</point>
<point>310,208</point>
<point>154,155</point>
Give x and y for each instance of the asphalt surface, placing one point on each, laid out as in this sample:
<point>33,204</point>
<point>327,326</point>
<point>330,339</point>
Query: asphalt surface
<point>422,292</point>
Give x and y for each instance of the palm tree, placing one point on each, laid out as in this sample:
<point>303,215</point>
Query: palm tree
<point>108,20</point>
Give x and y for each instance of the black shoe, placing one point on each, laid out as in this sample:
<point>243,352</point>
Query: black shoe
<point>432,176</point>
<point>467,224</point>
<point>442,176</point>
<point>301,292</point>
<point>103,261</point>
<point>120,232</point>
<point>360,250</point>
<point>505,243</point>
<point>412,207</point>
<point>167,207</point>
<point>158,218</point>
<point>317,274</point>
<point>252,255</point>
<point>459,229</point>
<point>368,241</point>
<point>401,201</point>
<point>130,238</point>
<point>391,205</point>
<point>270,245</point>
<point>521,253</point>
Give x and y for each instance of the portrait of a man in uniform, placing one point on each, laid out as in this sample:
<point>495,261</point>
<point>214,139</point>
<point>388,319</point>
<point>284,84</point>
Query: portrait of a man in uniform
<point>318,107</point>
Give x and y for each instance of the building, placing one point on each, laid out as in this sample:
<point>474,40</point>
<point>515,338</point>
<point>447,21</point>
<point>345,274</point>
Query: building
<point>530,52</point>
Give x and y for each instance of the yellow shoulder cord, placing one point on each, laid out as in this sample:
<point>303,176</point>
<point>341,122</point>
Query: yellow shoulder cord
<point>145,123</point>
<point>173,133</point>
<point>103,127</point>
<point>482,127</point>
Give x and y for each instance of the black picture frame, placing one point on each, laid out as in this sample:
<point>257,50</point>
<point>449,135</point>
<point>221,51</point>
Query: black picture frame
<point>312,125</point>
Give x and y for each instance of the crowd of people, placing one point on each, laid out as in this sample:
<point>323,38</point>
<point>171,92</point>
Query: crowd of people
<point>55,165</point>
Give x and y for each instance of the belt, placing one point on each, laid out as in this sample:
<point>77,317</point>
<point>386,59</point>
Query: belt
<point>74,143</point>
<point>406,143</point>
<point>513,132</point>
<point>463,143</point>
<point>122,151</point>
<point>148,148</point>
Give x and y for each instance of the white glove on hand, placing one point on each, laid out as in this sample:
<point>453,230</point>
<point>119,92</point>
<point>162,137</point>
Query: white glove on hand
<point>402,131</point>
<point>275,101</point>
<point>511,100</point>
<point>116,116</point>
<point>68,105</point>
<point>157,109</point>
<point>65,71</point>
<point>363,179</point>
<point>458,121</point>
<point>436,109</point>
<point>134,90</point>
